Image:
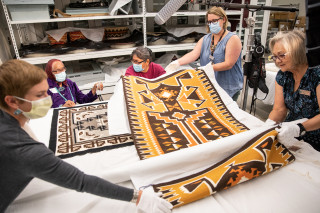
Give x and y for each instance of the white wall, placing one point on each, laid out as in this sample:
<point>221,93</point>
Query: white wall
<point>302,5</point>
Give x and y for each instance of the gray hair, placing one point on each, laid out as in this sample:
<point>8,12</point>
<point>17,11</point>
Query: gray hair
<point>294,43</point>
<point>143,53</point>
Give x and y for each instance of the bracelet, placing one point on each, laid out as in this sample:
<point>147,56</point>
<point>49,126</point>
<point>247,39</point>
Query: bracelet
<point>135,196</point>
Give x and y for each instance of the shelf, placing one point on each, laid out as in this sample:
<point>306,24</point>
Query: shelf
<point>80,56</point>
<point>182,13</point>
<point>75,19</point>
<point>172,47</point>
<point>108,53</point>
<point>283,20</point>
<point>195,13</point>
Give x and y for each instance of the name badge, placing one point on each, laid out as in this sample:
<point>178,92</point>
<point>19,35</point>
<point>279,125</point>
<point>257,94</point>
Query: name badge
<point>53,90</point>
<point>305,92</point>
<point>211,58</point>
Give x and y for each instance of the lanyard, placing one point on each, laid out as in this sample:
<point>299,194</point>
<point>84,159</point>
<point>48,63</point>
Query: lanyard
<point>63,96</point>
<point>212,46</point>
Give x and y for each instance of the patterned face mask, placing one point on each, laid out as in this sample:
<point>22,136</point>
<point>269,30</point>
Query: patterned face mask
<point>39,107</point>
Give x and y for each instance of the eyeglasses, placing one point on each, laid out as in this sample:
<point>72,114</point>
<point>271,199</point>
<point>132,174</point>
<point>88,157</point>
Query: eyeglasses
<point>136,62</point>
<point>59,70</point>
<point>213,21</point>
<point>274,57</point>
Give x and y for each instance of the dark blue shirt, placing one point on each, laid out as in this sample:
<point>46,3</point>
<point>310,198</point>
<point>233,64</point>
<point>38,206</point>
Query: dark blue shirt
<point>22,159</point>
<point>303,102</point>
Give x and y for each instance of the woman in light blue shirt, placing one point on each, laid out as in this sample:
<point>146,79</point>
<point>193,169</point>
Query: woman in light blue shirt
<point>220,47</point>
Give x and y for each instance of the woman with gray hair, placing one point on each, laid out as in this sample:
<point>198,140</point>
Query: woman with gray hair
<point>297,93</point>
<point>142,66</point>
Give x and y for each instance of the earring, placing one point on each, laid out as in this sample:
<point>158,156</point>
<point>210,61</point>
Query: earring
<point>17,112</point>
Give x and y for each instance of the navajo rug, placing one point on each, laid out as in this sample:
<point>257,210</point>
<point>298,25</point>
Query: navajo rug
<point>177,111</point>
<point>83,129</point>
<point>259,156</point>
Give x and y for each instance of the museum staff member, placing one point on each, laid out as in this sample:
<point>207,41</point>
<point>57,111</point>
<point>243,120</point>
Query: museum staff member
<point>297,93</point>
<point>23,96</point>
<point>222,49</point>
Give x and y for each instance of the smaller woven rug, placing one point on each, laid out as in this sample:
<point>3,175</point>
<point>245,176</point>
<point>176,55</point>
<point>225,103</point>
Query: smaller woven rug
<point>83,129</point>
<point>259,156</point>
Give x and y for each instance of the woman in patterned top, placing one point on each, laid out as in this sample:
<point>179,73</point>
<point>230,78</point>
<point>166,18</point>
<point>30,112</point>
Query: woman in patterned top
<point>297,93</point>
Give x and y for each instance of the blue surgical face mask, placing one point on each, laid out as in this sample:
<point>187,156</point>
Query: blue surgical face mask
<point>137,67</point>
<point>215,27</point>
<point>61,77</point>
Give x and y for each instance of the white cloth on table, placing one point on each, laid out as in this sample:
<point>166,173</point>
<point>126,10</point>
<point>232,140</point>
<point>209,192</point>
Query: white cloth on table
<point>293,188</point>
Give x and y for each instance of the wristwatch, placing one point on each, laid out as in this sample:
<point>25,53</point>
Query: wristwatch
<point>303,131</point>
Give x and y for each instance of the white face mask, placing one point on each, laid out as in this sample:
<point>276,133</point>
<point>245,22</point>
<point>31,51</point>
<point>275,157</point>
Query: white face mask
<point>61,77</point>
<point>39,107</point>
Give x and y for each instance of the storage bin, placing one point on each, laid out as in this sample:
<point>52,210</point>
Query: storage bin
<point>22,12</point>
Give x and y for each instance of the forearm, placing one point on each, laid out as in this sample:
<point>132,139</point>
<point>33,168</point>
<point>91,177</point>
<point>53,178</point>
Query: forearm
<point>103,188</point>
<point>187,58</point>
<point>223,66</point>
<point>88,98</point>
<point>278,115</point>
<point>312,123</point>
<point>63,174</point>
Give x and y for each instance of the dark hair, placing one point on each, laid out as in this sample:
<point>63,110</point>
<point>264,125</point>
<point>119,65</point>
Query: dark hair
<point>143,53</point>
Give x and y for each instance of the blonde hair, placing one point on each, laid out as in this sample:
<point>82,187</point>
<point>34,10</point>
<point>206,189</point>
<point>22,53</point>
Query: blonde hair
<point>294,43</point>
<point>17,78</point>
<point>219,12</point>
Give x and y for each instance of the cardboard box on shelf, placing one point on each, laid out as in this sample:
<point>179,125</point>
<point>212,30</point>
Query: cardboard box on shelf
<point>273,24</point>
<point>272,15</point>
<point>303,29</point>
<point>277,15</point>
<point>283,15</point>
<point>285,26</point>
<point>301,20</point>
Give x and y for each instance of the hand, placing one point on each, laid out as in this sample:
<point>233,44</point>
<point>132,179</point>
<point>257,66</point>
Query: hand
<point>69,103</point>
<point>173,66</point>
<point>287,133</point>
<point>270,122</point>
<point>96,86</point>
<point>152,203</point>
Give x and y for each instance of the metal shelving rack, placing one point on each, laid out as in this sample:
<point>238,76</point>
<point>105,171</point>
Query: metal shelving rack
<point>104,53</point>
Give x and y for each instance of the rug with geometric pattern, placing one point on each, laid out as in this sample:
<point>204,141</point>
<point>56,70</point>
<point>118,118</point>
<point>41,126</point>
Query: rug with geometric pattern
<point>83,129</point>
<point>177,111</point>
<point>259,156</point>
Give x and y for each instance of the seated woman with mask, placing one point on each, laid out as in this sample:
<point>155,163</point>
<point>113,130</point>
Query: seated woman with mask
<point>142,66</point>
<point>63,91</point>
<point>23,96</point>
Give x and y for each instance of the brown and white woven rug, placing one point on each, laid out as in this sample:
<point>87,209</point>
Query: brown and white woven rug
<point>83,129</point>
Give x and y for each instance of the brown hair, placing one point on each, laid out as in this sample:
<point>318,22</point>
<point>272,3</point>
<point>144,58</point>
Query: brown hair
<point>294,43</point>
<point>219,12</point>
<point>17,78</point>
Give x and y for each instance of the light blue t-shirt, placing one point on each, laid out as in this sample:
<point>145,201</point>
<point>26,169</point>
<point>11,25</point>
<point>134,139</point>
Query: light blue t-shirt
<point>230,80</point>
